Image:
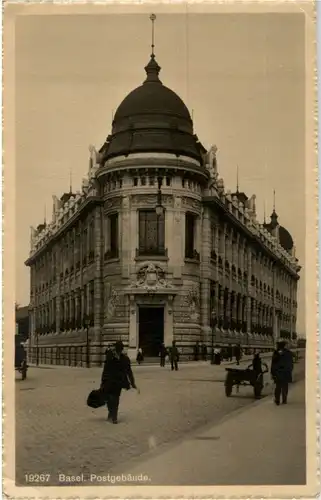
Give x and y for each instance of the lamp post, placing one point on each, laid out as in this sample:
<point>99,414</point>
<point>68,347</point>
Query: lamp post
<point>37,348</point>
<point>159,207</point>
<point>213,325</point>
<point>87,323</point>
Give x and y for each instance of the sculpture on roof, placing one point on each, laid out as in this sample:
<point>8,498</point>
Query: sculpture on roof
<point>220,186</point>
<point>211,164</point>
<point>251,205</point>
<point>95,157</point>
<point>33,237</point>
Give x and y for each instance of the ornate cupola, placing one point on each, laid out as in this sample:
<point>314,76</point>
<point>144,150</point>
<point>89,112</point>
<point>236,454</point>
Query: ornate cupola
<point>152,119</point>
<point>284,237</point>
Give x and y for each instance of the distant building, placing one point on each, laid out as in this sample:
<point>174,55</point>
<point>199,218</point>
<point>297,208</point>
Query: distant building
<point>154,248</point>
<point>22,322</point>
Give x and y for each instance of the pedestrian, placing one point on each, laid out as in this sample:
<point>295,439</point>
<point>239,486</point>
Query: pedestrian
<point>204,352</point>
<point>237,353</point>
<point>217,355</point>
<point>257,364</point>
<point>281,371</point>
<point>174,356</point>
<point>117,375</point>
<point>140,356</point>
<point>230,353</point>
<point>196,350</point>
<point>163,353</point>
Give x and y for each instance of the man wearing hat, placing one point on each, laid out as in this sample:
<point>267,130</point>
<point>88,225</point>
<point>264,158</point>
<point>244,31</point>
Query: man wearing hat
<point>117,375</point>
<point>281,371</point>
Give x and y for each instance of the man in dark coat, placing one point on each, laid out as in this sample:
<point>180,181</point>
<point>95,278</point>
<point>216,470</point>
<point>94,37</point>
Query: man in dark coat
<point>163,353</point>
<point>117,375</point>
<point>204,352</point>
<point>196,350</point>
<point>281,371</point>
<point>174,355</point>
<point>237,353</point>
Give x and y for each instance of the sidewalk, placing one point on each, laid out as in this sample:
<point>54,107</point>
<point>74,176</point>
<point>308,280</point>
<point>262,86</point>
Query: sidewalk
<point>245,359</point>
<point>262,445</point>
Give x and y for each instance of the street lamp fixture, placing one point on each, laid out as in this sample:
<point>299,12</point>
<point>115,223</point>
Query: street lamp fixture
<point>37,348</point>
<point>159,207</point>
<point>87,324</point>
<point>213,324</point>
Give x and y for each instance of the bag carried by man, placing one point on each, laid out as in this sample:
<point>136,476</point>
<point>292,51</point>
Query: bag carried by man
<point>96,399</point>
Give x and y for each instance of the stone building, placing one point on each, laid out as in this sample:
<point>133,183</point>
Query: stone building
<point>153,248</point>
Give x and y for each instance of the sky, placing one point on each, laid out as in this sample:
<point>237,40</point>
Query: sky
<point>242,76</point>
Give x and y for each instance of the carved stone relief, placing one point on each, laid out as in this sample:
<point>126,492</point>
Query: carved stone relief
<point>149,200</point>
<point>191,203</point>
<point>192,301</point>
<point>111,300</point>
<point>151,277</point>
<point>112,203</point>
<point>177,208</point>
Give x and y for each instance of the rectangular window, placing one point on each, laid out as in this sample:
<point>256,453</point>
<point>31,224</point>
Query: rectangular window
<point>189,236</point>
<point>85,243</point>
<point>113,236</point>
<point>151,233</point>
<point>92,236</point>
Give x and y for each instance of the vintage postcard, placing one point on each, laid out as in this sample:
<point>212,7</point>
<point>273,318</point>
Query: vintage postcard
<point>160,169</point>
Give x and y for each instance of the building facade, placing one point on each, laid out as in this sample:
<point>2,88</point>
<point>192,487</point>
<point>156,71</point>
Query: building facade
<point>153,248</point>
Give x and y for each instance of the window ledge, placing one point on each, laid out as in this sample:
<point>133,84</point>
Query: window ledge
<point>191,261</point>
<point>111,260</point>
<point>163,258</point>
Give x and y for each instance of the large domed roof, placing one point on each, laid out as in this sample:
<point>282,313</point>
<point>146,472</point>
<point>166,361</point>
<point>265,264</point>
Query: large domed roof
<point>152,118</point>
<point>285,238</point>
<point>152,99</point>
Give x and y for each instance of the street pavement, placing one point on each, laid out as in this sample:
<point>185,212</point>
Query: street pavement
<point>264,445</point>
<point>56,433</point>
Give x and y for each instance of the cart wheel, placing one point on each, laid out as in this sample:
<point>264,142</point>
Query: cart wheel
<point>228,389</point>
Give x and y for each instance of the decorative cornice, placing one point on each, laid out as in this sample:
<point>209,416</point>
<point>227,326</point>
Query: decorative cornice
<point>152,163</point>
<point>91,200</point>
<point>252,236</point>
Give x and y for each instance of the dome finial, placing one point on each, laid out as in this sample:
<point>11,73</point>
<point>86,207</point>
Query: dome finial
<point>274,216</point>
<point>152,17</point>
<point>273,200</point>
<point>237,179</point>
<point>152,69</point>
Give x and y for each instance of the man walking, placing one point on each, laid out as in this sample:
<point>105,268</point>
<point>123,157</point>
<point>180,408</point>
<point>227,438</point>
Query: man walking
<point>204,352</point>
<point>281,371</point>
<point>117,375</point>
<point>163,353</point>
<point>196,350</point>
<point>237,353</point>
<point>174,355</point>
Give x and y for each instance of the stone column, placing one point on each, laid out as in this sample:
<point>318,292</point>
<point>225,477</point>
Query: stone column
<point>133,335</point>
<point>98,305</point>
<point>205,272</point>
<point>72,310</point>
<point>125,238</point>
<point>77,307</point>
<point>58,312</point>
<point>240,311</point>
<point>178,238</point>
<point>234,308</point>
<point>228,308</point>
<point>221,305</point>
<point>82,305</point>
